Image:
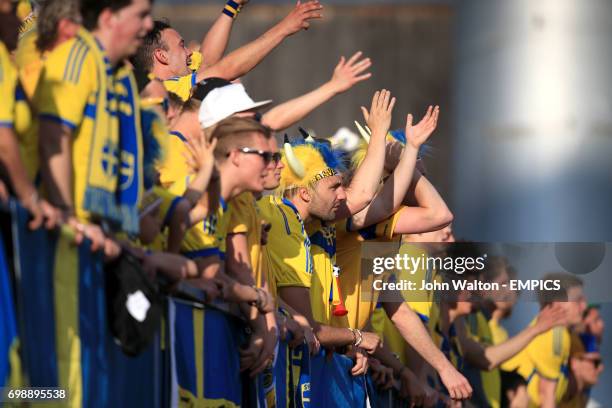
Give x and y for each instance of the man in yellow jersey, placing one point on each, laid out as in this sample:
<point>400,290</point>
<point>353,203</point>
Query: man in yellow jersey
<point>544,362</point>
<point>164,53</point>
<point>10,157</point>
<point>481,355</point>
<point>87,102</point>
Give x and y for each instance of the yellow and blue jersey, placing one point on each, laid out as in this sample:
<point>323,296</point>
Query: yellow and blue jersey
<point>356,288</point>
<point>323,248</point>
<point>68,93</point>
<point>207,237</point>
<point>486,383</point>
<point>288,252</point>
<point>245,219</point>
<point>29,62</point>
<point>183,85</point>
<point>546,356</point>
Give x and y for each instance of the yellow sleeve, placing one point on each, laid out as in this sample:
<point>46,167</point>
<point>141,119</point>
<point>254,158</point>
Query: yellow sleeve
<point>546,353</point>
<point>66,83</point>
<point>386,229</point>
<point>8,83</point>
<point>181,86</point>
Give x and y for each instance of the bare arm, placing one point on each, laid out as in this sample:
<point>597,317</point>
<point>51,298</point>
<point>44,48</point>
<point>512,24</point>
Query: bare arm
<point>547,389</point>
<point>489,357</point>
<point>215,42</point>
<point>244,59</point>
<point>55,147</point>
<point>412,330</point>
<point>299,299</point>
<point>366,180</point>
<point>346,75</point>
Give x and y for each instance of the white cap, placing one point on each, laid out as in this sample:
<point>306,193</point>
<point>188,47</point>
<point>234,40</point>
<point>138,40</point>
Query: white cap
<point>223,102</point>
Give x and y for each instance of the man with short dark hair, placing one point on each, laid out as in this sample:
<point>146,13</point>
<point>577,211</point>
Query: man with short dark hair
<point>164,53</point>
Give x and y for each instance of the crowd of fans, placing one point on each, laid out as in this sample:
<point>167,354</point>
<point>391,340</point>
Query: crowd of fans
<point>111,126</point>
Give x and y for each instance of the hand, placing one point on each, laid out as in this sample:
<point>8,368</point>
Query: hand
<point>41,211</point>
<point>242,2</point>
<point>379,116</point>
<point>90,231</point>
<point>549,317</point>
<point>418,134</point>
<point>267,303</point>
<point>298,18</point>
<point>382,375</point>
<point>250,353</point>
<point>370,342</point>
<point>361,362</point>
<point>200,154</point>
<point>266,357</point>
<point>348,73</point>
<point>458,387</point>
<point>298,333</point>
<point>411,387</point>
<point>311,341</point>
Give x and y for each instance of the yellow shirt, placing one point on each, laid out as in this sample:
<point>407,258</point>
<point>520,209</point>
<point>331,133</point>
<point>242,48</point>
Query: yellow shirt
<point>207,238</point>
<point>356,288</point>
<point>174,169</point>
<point>29,62</point>
<point>168,203</point>
<point>546,356</point>
<point>245,219</point>
<point>15,112</point>
<point>287,254</point>
<point>486,384</point>
<point>323,249</point>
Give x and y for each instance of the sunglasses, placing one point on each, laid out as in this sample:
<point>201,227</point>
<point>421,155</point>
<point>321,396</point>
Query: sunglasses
<point>265,155</point>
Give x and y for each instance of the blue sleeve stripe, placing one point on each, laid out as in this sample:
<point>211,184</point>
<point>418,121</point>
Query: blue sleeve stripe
<point>57,119</point>
<point>6,124</point>
<point>423,318</point>
<point>69,60</point>
<point>203,253</point>
<point>75,62</point>
<point>80,65</point>
<point>194,79</point>
<point>543,376</point>
<point>170,212</point>
<point>19,93</point>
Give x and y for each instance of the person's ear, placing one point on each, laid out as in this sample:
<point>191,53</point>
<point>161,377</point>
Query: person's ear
<point>107,20</point>
<point>161,56</point>
<point>304,194</point>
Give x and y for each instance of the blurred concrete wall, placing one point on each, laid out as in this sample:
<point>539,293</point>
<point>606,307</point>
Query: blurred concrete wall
<point>410,46</point>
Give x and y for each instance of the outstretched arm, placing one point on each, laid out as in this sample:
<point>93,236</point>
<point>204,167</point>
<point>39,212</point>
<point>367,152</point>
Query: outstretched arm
<point>244,59</point>
<point>489,357</point>
<point>346,75</point>
<point>366,180</point>
<point>215,41</point>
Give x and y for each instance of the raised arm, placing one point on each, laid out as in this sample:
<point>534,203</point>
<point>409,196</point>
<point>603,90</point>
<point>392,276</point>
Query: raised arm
<point>215,41</point>
<point>366,180</point>
<point>345,76</point>
<point>244,59</point>
<point>394,190</point>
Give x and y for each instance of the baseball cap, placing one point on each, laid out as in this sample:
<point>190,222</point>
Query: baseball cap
<point>221,99</point>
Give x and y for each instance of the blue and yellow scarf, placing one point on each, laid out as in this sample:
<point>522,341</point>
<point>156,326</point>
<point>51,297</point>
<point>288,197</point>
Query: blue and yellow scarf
<point>114,177</point>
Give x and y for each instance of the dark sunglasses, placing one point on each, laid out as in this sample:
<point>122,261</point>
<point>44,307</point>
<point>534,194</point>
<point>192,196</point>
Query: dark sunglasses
<point>265,155</point>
